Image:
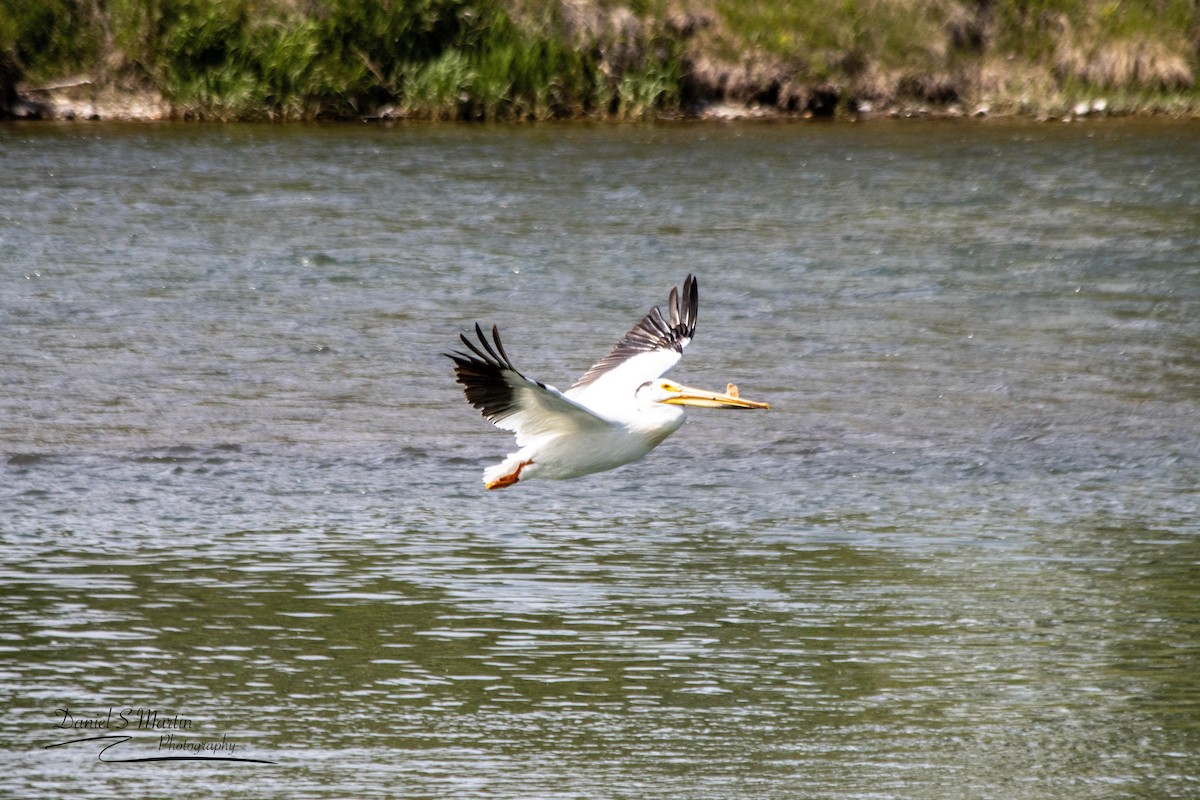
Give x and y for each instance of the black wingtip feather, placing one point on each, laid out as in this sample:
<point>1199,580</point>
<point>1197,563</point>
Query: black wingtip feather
<point>654,332</point>
<point>482,374</point>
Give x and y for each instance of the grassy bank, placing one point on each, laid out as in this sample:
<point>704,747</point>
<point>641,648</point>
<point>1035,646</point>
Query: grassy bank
<point>520,59</point>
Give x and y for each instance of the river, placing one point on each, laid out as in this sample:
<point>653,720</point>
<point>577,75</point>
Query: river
<point>241,514</point>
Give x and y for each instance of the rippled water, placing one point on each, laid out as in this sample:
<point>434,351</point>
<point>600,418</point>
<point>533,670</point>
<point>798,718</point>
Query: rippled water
<point>958,559</point>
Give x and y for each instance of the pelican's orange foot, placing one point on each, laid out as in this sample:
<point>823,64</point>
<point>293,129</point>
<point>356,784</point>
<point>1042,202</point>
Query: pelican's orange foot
<point>509,479</point>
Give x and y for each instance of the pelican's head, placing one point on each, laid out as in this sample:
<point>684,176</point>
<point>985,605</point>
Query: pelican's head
<point>671,393</point>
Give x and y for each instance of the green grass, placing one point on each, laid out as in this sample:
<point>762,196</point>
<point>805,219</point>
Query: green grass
<point>821,33</point>
<point>287,59</point>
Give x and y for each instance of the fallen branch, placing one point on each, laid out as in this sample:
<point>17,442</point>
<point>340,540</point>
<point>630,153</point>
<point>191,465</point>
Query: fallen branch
<point>67,84</point>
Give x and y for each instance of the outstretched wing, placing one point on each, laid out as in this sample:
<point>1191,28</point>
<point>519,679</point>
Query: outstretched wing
<point>510,400</point>
<point>651,348</point>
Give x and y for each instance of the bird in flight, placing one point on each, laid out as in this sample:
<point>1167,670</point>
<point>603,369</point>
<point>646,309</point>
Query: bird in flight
<point>620,410</point>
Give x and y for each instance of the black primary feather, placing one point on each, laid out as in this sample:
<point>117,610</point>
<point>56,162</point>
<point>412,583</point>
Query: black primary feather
<point>653,332</point>
<point>482,375</point>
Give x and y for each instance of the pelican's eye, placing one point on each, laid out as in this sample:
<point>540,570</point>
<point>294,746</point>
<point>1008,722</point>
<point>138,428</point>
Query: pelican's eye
<point>667,386</point>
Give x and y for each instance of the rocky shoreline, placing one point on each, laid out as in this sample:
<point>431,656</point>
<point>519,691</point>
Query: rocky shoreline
<point>79,100</point>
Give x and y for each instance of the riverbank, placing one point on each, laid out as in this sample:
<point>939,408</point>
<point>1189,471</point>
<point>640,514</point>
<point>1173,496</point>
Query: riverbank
<point>83,102</point>
<point>598,59</point>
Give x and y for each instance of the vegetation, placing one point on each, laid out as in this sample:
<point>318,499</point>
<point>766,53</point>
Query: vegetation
<point>521,59</point>
<point>302,59</point>
<point>1031,56</point>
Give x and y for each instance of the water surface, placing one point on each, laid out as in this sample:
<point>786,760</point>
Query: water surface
<point>959,557</point>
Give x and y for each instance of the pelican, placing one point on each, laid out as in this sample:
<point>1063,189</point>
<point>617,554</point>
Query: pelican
<point>620,410</point>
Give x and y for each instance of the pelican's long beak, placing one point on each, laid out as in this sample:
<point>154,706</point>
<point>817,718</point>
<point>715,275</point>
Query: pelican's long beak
<point>688,396</point>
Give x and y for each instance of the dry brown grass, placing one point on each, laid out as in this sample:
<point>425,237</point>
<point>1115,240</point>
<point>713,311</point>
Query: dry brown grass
<point>1140,62</point>
<point>1010,55</point>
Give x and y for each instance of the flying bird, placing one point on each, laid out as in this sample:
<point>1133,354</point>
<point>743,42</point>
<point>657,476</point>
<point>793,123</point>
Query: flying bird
<point>620,410</point>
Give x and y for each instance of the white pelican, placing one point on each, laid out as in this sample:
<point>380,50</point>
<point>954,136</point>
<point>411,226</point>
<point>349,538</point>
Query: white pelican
<point>619,411</point>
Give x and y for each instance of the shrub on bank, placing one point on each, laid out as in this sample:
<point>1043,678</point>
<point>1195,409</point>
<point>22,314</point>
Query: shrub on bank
<point>292,59</point>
